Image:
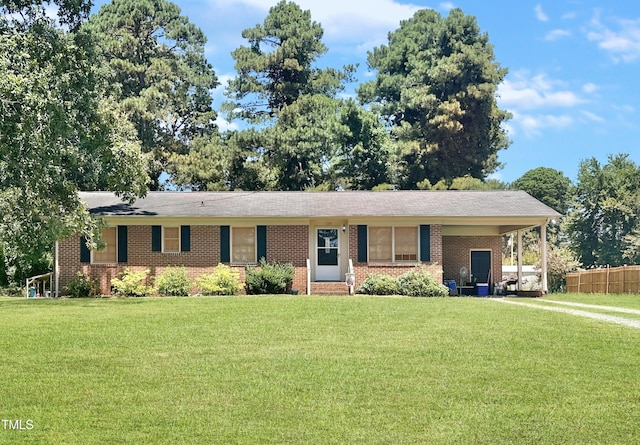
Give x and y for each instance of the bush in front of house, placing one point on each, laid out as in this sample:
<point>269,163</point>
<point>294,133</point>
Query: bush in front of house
<point>419,283</point>
<point>378,284</point>
<point>80,286</point>
<point>173,282</point>
<point>132,284</point>
<point>269,278</point>
<point>223,281</point>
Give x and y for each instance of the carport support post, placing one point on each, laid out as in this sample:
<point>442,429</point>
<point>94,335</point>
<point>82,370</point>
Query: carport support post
<point>56,271</point>
<point>543,239</point>
<point>519,287</point>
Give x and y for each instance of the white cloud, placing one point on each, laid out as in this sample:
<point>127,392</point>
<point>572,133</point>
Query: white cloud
<point>526,93</point>
<point>590,88</point>
<point>534,124</point>
<point>225,125</point>
<point>557,34</point>
<point>622,43</point>
<point>592,117</point>
<point>540,14</point>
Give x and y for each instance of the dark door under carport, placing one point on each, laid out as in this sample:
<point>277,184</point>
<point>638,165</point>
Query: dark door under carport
<point>480,265</point>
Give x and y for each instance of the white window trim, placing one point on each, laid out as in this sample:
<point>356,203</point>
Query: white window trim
<point>179,240</point>
<point>255,244</point>
<point>116,249</point>
<point>393,245</point>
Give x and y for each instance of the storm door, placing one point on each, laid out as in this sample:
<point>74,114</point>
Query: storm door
<point>328,254</point>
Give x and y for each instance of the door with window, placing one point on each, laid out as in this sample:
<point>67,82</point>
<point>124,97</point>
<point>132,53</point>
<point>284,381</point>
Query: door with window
<point>328,254</point>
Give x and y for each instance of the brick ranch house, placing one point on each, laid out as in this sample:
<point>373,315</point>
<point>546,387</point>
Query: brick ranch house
<point>322,234</point>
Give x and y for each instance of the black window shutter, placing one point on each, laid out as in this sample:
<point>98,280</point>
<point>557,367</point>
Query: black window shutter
<point>156,238</point>
<point>185,238</point>
<point>425,243</point>
<point>225,247</point>
<point>122,244</point>
<point>362,244</point>
<point>261,234</point>
<point>85,253</point>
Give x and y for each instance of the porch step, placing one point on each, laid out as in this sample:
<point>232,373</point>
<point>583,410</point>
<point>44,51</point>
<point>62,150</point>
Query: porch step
<point>329,288</point>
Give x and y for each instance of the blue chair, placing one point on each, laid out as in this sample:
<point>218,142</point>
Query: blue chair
<point>453,288</point>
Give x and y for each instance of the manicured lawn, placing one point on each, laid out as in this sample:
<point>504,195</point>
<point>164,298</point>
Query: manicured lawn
<point>630,301</point>
<point>315,370</point>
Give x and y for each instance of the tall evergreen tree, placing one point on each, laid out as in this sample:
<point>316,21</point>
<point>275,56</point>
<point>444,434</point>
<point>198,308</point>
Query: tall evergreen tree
<point>293,102</point>
<point>436,86</point>
<point>277,67</point>
<point>154,60</point>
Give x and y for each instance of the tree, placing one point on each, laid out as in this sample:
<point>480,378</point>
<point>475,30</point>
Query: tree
<point>154,60</point>
<point>277,66</point>
<point>605,218</point>
<point>291,102</point>
<point>436,87</point>
<point>547,185</point>
<point>58,134</point>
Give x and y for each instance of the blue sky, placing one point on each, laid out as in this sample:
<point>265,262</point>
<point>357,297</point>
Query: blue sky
<point>573,65</point>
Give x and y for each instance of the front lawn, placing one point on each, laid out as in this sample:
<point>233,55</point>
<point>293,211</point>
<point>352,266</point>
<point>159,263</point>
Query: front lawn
<point>316,370</point>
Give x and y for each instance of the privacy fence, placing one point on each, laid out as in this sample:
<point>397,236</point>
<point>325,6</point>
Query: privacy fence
<point>612,280</point>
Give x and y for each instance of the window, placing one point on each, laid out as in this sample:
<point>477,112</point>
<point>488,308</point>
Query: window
<point>406,243</point>
<point>243,245</point>
<point>393,244</point>
<point>380,244</point>
<point>108,255</point>
<point>171,240</point>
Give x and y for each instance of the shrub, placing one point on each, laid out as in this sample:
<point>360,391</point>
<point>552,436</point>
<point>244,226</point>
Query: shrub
<point>419,283</point>
<point>269,278</point>
<point>378,284</point>
<point>173,281</point>
<point>131,284</point>
<point>223,281</point>
<point>81,286</point>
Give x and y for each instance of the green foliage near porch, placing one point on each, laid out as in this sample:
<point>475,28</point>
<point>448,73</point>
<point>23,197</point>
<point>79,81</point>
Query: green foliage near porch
<point>284,369</point>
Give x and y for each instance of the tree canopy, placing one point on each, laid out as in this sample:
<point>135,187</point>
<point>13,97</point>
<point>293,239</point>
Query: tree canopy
<point>605,220</point>
<point>155,64</point>
<point>548,185</point>
<point>436,86</point>
<point>58,133</point>
<point>277,66</point>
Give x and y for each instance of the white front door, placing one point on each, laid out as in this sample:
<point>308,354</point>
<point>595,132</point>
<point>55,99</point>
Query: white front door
<point>328,254</point>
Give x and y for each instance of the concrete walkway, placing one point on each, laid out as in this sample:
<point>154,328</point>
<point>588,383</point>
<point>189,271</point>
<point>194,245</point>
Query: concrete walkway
<point>608,318</point>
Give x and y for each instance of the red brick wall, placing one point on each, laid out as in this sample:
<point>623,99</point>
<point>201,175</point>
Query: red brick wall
<point>395,269</point>
<point>290,244</point>
<point>284,243</point>
<point>457,254</point>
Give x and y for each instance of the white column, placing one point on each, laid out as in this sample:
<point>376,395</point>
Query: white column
<point>519,260</point>
<point>543,244</point>
<point>56,266</point>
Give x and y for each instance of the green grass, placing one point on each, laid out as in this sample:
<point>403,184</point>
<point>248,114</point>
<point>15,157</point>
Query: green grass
<point>630,301</point>
<point>316,370</point>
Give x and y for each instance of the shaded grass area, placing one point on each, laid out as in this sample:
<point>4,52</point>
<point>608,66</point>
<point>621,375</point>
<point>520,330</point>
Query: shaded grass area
<point>328,370</point>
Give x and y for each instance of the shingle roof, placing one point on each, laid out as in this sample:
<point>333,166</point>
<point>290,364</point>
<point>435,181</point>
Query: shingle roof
<point>449,203</point>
